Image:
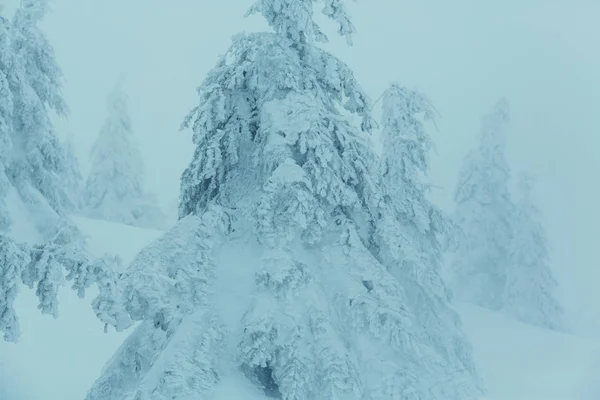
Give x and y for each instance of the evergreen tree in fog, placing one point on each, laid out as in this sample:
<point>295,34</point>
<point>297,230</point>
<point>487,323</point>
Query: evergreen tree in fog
<point>530,285</point>
<point>485,213</point>
<point>114,189</point>
<point>278,270</point>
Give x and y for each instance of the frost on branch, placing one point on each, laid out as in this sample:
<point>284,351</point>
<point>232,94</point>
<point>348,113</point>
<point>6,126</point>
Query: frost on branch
<point>293,19</point>
<point>13,258</point>
<point>43,267</point>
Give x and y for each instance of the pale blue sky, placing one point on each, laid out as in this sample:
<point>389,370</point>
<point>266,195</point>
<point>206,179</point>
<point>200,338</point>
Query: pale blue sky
<point>464,54</point>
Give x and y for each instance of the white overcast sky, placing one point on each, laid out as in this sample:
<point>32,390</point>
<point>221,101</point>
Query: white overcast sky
<point>464,54</point>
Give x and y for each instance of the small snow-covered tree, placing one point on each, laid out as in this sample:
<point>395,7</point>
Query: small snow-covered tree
<point>417,248</point>
<point>114,189</point>
<point>485,212</point>
<point>530,285</point>
<point>274,269</point>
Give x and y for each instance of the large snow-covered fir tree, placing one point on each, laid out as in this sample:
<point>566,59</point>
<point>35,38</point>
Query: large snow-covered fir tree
<point>32,163</point>
<point>530,285</point>
<point>422,228</point>
<point>114,189</point>
<point>484,211</point>
<point>274,271</point>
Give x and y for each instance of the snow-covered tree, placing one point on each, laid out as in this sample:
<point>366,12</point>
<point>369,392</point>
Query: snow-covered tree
<point>417,248</point>
<point>485,212</point>
<point>274,269</point>
<point>32,161</point>
<point>38,161</point>
<point>114,189</point>
<point>530,285</point>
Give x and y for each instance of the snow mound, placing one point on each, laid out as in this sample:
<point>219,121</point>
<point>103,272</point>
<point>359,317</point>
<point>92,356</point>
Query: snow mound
<point>64,357</point>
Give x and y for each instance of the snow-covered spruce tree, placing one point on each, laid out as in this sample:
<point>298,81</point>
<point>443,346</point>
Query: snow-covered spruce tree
<point>484,211</point>
<point>416,248</point>
<point>38,161</point>
<point>114,189</point>
<point>273,270</point>
<point>62,249</point>
<point>530,285</point>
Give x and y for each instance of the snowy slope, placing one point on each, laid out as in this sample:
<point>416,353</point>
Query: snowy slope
<point>61,359</point>
<point>522,362</point>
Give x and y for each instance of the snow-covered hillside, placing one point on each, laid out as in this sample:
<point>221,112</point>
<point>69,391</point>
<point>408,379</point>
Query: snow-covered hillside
<point>60,359</point>
<point>522,362</point>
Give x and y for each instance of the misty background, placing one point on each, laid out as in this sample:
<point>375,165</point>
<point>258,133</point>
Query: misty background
<point>541,54</point>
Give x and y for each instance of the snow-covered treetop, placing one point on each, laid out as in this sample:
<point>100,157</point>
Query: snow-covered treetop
<point>31,12</point>
<point>493,135</point>
<point>280,103</point>
<point>117,104</point>
<point>485,171</point>
<point>294,19</point>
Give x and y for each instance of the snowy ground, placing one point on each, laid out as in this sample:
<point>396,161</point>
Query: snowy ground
<point>522,362</point>
<point>60,359</point>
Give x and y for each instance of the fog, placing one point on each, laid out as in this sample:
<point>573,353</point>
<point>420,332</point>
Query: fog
<point>541,54</point>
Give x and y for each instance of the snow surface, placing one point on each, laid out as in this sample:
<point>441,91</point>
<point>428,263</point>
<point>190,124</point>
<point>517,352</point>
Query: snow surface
<point>522,362</point>
<point>60,359</point>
